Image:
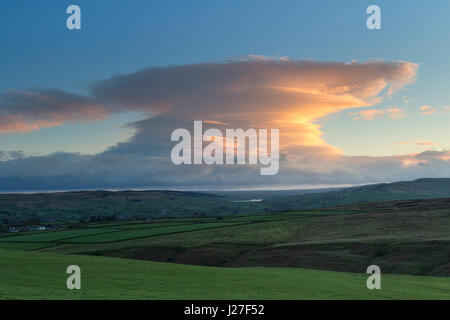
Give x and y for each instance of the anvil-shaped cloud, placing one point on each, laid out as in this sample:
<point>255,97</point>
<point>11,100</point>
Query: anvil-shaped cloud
<point>264,93</point>
<point>258,93</point>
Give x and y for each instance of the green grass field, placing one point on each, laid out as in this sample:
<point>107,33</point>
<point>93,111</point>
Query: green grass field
<point>43,276</point>
<point>126,230</point>
<point>400,242</point>
<point>146,232</point>
<point>295,255</point>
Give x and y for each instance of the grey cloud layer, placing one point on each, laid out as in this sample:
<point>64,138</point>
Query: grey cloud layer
<point>72,171</point>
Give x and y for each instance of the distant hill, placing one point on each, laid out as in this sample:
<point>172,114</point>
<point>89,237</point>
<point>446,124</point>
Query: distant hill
<point>430,188</point>
<point>64,206</point>
<point>268,194</point>
<point>83,205</point>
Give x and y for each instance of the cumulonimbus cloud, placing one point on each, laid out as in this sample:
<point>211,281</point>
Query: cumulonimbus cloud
<point>263,92</point>
<point>288,95</point>
<point>259,93</point>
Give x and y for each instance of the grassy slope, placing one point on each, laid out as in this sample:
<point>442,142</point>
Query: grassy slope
<point>406,242</point>
<point>42,276</point>
<point>403,190</point>
<point>128,230</point>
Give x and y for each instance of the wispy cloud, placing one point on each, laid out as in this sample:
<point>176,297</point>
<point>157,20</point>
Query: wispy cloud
<point>396,113</point>
<point>370,114</point>
<point>34,109</point>
<point>374,114</point>
<point>418,142</point>
<point>427,110</point>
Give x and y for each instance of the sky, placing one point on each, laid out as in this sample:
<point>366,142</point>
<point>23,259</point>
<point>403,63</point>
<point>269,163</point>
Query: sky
<point>94,108</point>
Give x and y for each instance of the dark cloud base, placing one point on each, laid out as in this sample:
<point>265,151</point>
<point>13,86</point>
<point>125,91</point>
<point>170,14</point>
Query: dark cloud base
<point>64,171</point>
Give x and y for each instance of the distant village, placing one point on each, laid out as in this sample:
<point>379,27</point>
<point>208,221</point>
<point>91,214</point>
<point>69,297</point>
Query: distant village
<point>35,224</point>
<point>31,228</point>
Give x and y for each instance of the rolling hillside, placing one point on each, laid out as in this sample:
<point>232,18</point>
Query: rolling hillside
<point>315,254</point>
<point>64,206</point>
<point>402,237</point>
<point>43,276</point>
<point>403,190</point>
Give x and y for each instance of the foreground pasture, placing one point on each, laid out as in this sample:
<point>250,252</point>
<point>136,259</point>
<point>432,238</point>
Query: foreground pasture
<point>38,275</point>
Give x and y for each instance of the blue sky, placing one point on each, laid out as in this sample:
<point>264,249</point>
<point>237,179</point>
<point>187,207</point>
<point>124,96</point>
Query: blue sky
<point>119,37</point>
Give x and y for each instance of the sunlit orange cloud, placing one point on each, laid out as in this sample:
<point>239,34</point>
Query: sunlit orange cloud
<point>370,114</point>
<point>427,110</point>
<point>426,143</point>
<point>396,113</point>
<point>22,111</point>
<point>414,159</point>
<point>411,162</point>
<point>439,155</point>
<point>374,114</point>
<point>215,122</point>
<point>417,142</point>
<point>266,93</point>
<point>292,96</point>
<point>444,157</point>
<point>17,124</point>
